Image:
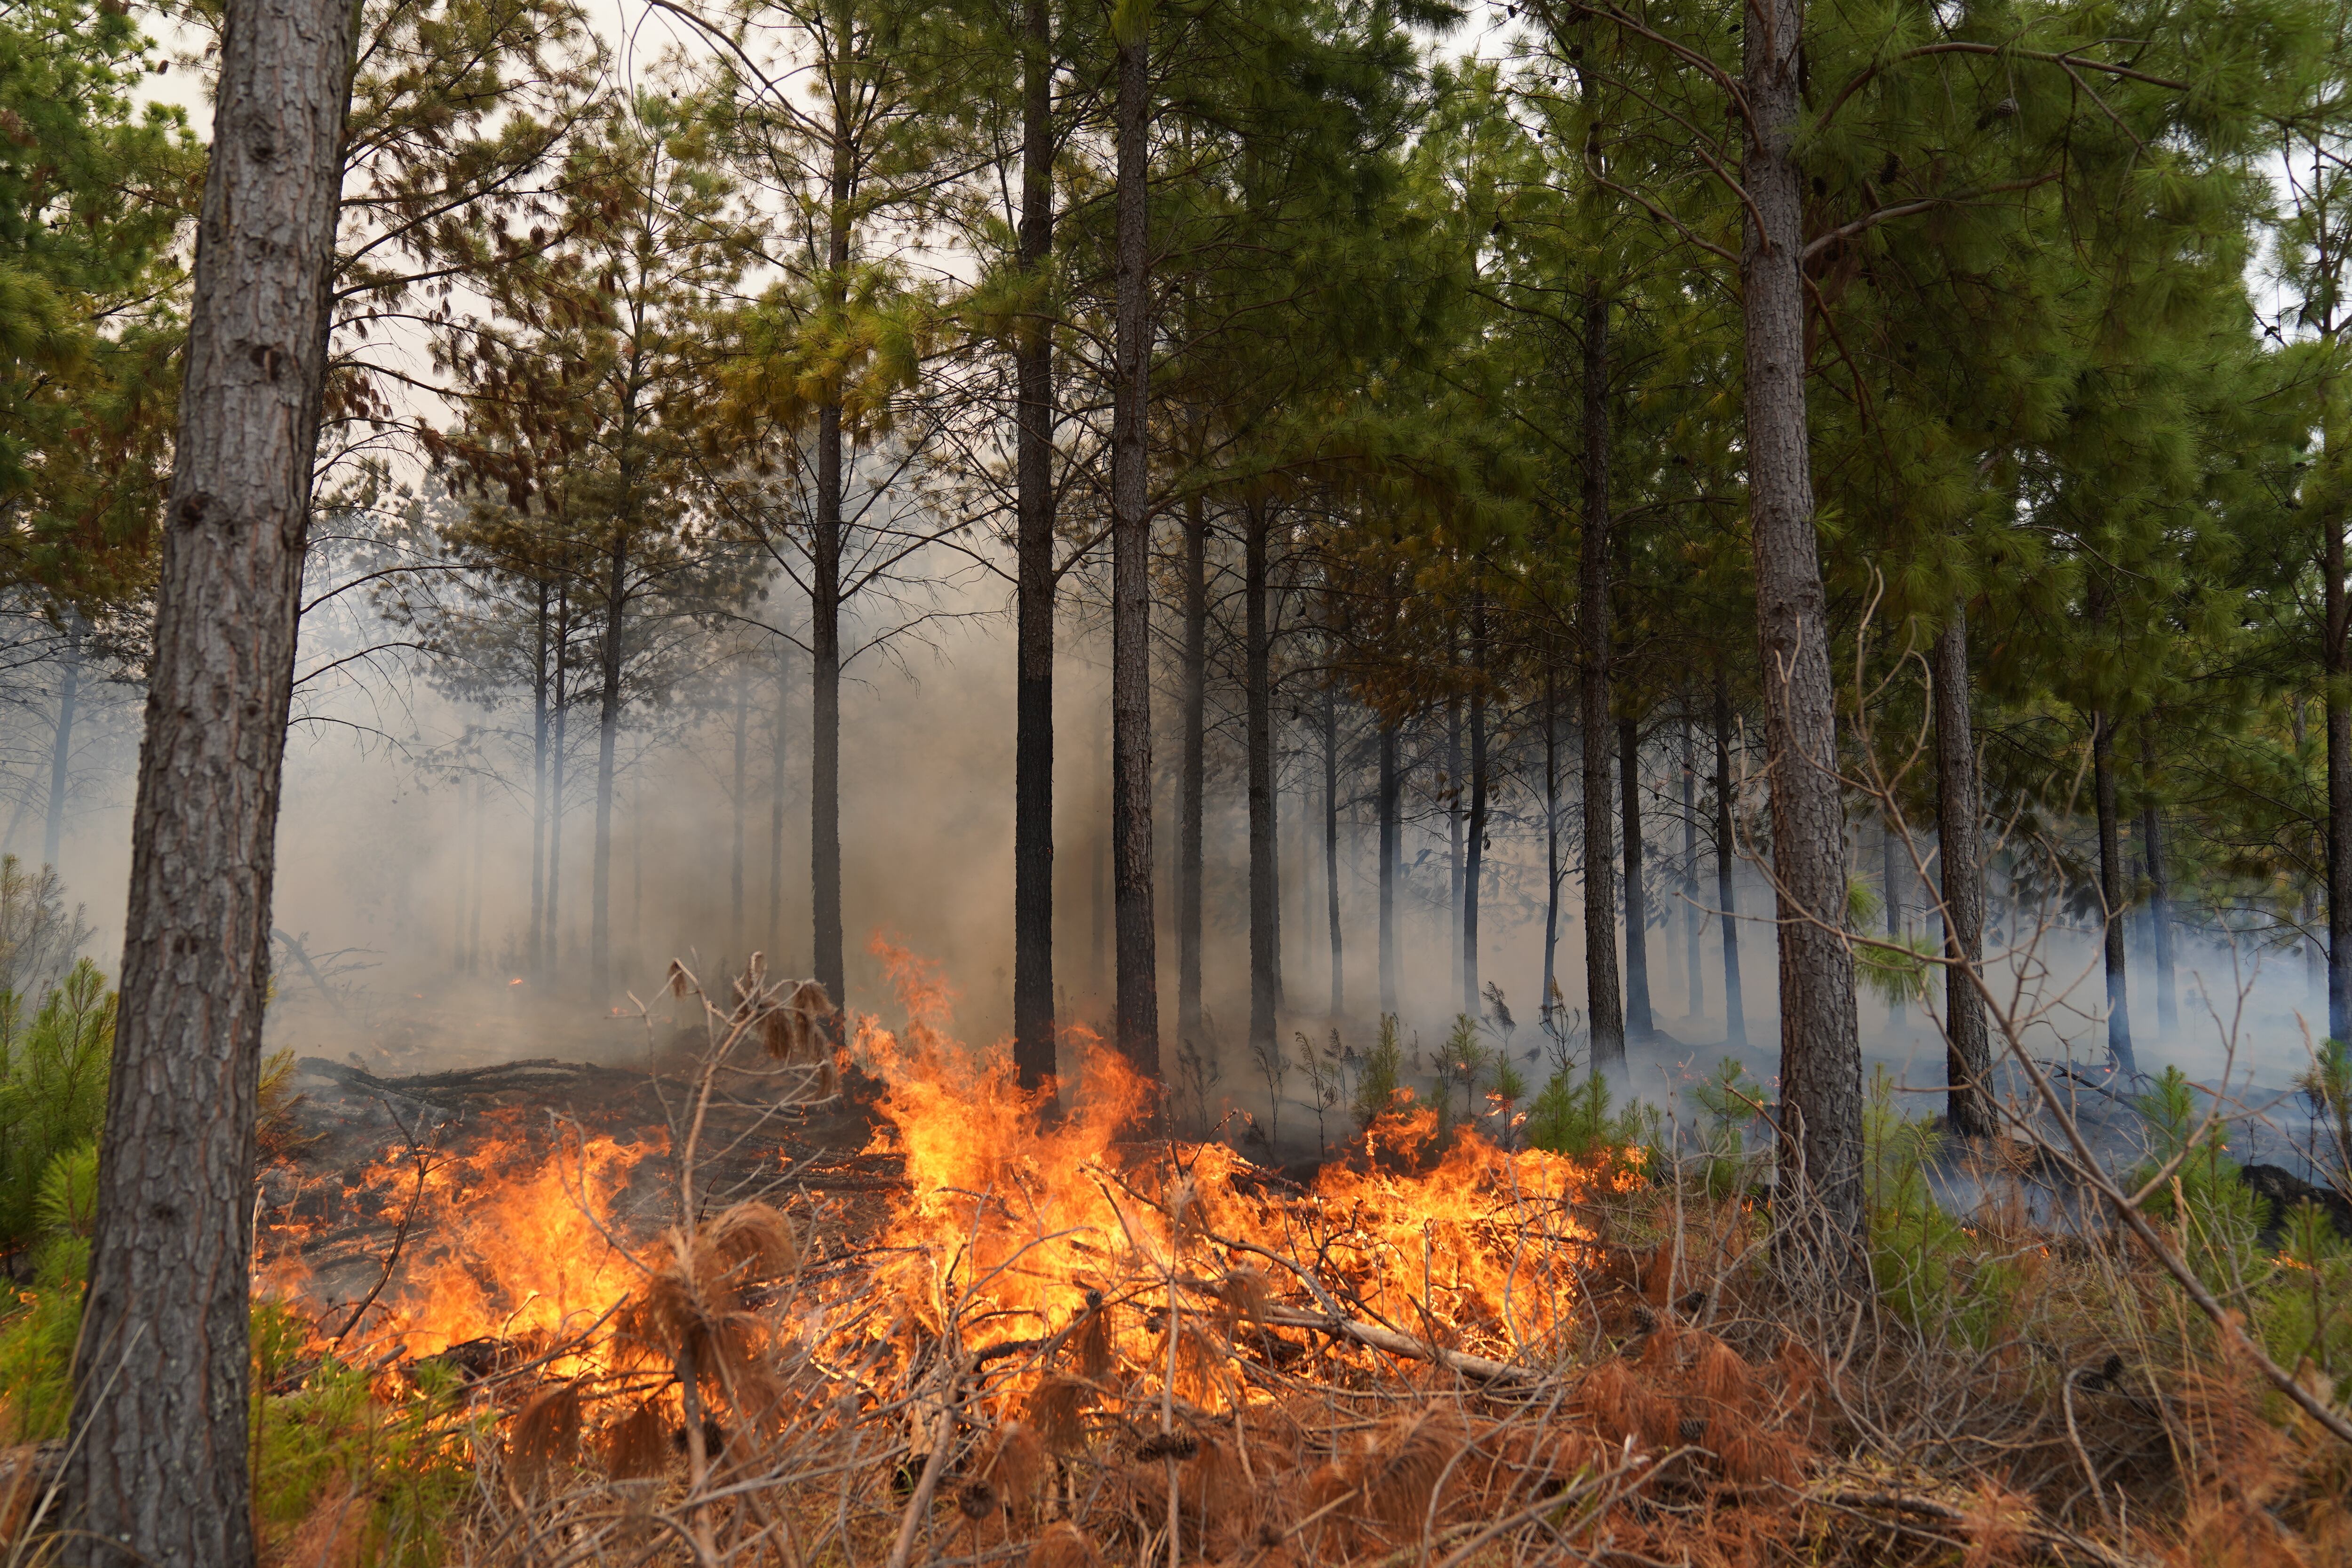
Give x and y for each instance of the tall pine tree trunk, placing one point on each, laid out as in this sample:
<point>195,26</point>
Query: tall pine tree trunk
<point>1130,657</point>
<point>1391,845</point>
<point>1694,977</point>
<point>1551,838</point>
<point>1820,1055</point>
<point>1605,999</point>
<point>824,597</point>
<point>737,950</point>
<point>2159,892</point>
<point>1891,855</point>
<point>61,743</point>
<point>1257,701</point>
<point>1959,859</point>
<point>778,758</point>
<point>1192,844</point>
<point>1475,863</point>
<point>1727,864</point>
<point>1454,831</point>
<point>2336,662</point>
<point>554,953</point>
<point>157,1472</point>
<point>2111,894</point>
<point>608,730</point>
<point>538,694</point>
<point>1331,840</point>
<point>1638,1022</point>
<point>1033,787</point>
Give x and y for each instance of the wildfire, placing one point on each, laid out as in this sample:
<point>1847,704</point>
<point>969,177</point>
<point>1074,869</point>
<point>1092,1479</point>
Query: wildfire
<point>1021,1222</point>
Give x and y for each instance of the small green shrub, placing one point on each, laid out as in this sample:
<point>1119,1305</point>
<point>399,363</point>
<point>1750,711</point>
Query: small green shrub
<point>2215,1216</point>
<point>1381,1077</point>
<point>1576,1118</point>
<point>53,1073</point>
<point>1926,1265</point>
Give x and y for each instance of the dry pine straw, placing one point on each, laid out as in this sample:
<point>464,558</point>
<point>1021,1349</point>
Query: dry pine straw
<point>2096,1428</point>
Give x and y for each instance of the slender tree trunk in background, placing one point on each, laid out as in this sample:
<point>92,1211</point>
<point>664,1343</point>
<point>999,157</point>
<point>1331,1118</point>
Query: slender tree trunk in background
<point>539,692</point>
<point>737,950</point>
<point>1391,846</point>
<point>1104,917</point>
<point>554,932</point>
<point>2336,662</point>
<point>1638,1022</point>
<point>2159,894</point>
<point>608,732</point>
<point>1476,859</point>
<point>1130,657</point>
<point>1960,861</point>
<point>1257,701</point>
<point>1454,831</point>
<point>1820,1053</point>
<point>2113,894</point>
<point>61,744</point>
<point>1694,978</point>
<point>1191,851</point>
<point>157,1473</point>
<point>1727,863</point>
<point>1551,838</point>
<point>476,960</point>
<point>1033,787</point>
<point>825,609</point>
<point>1331,841</point>
<point>1890,871</point>
<point>1601,976</point>
<point>777,777</point>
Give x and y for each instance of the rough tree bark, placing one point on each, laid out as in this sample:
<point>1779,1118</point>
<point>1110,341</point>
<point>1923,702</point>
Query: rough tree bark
<point>1257,701</point>
<point>1137,959</point>
<point>1032,787</point>
<point>61,743</point>
<point>1727,862</point>
<point>1639,1026</point>
<point>1959,859</point>
<point>158,1473</point>
<point>2112,893</point>
<point>1601,977</point>
<point>1392,791</point>
<point>1191,851</point>
<point>1820,1055</point>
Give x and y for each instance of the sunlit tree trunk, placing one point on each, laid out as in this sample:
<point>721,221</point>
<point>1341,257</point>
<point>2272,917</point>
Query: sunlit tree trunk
<point>1820,1056</point>
<point>158,1473</point>
<point>1033,787</point>
<point>1138,963</point>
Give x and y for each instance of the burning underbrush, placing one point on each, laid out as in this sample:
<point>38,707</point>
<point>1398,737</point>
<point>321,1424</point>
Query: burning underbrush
<point>799,1302</point>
